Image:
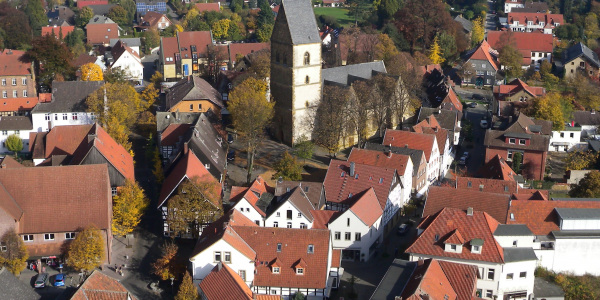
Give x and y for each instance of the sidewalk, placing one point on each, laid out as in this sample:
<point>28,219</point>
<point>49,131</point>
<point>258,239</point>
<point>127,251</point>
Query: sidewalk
<point>121,255</point>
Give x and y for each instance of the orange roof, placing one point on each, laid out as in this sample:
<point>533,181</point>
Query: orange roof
<point>44,97</point>
<point>121,160</point>
<point>11,63</point>
<point>18,104</point>
<point>412,140</point>
<point>455,238</point>
<point>366,208</point>
<point>170,136</point>
<point>529,194</point>
<point>452,100</point>
<point>497,168</point>
<point>203,7</point>
<point>430,125</point>
<point>462,277</point>
<point>244,49</point>
<point>221,229</point>
<point>9,162</point>
<point>57,30</point>
<point>223,276</point>
<point>100,286</point>
<point>516,86</point>
<point>529,41</point>
<point>379,159</point>
<point>428,279</point>
<point>64,140</point>
<point>336,258</point>
<point>540,216</point>
<point>321,218</point>
<point>483,53</point>
<point>487,185</point>
<point>252,194</point>
<point>495,204</point>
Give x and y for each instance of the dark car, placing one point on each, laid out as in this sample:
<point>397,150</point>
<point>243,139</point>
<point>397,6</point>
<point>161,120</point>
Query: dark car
<point>40,281</point>
<point>402,229</point>
<point>231,155</point>
<point>472,104</point>
<point>229,138</point>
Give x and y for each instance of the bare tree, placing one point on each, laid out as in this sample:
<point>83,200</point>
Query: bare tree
<point>331,118</point>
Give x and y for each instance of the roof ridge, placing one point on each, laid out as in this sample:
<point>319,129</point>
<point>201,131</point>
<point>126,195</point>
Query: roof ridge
<point>496,244</point>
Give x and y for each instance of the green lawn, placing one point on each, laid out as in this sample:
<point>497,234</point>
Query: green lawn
<point>341,14</point>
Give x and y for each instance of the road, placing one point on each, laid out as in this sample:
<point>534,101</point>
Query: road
<point>475,148</point>
<point>490,18</point>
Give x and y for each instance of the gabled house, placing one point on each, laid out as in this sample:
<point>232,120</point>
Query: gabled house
<point>171,128</point>
<point>494,204</point>
<point>206,7</point>
<point>67,105</point>
<point>211,287</point>
<point>100,30</point>
<point>183,54</point>
<point>517,90</point>
<point>535,47</point>
<point>313,190</point>
<point>431,126</point>
<point>425,142</point>
<point>125,58</point>
<point>188,169</point>
<point>28,194</point>
<point>505,266</point>
<point>588,121</point>
<point>512,4</point>
<point>452,103</point>
<point>465,24</point>
<point>17,83</point>
<point>194,94</point>
<point>61,16</point>
<point>483,60</point>
<point>133,43</point>
<point>292,210</point>
<point>534,22</point>
<point>240,50</point>
<point>272,261</point>
<point>565,139</point>
<point>529,137</point>
<point>101,286</point>
<point>144,6</point>
<point>580,58</point>
<point>18,125</point>
<point>487,185</point>
<point>448,119</point>
<point>153,21</point>
<point>252,201</point>
<point>497,168</point>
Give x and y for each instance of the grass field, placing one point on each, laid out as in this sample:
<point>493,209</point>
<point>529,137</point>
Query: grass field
<point>341,14</point>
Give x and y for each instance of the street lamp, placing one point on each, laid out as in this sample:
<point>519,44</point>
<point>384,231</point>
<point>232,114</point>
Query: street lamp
<point>172,284</point>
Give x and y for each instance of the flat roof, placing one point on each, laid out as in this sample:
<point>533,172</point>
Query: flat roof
<point>395,279</point>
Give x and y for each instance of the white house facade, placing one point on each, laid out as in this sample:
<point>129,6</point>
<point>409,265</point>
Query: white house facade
<point>357,240</point>
<point>43,122</point>
<point>562,141</point>
<point>510,4</point>
<point>222,251</point>
<point>130,62</point>
<point>289,216</point>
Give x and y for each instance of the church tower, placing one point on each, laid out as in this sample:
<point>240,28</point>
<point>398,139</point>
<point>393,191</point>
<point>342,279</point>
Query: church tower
<point>295,69</point>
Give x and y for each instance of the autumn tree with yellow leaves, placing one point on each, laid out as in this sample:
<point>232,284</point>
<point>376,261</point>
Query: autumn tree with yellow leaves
<point>86,251</point>
<point>478,32</point>
<point>220,28</point>
<point>166,265</point>
<point>128,207</point>
<point>435,52</point>
<point>14,256</point>
<point>187,290</point>
<point>91,72</point>
<point>551,107</point>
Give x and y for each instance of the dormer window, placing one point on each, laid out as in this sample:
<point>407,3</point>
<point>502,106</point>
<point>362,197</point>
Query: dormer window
<point>521,142</point>
<point>278,247</point>
<point>311,249</point>
<point>511,140</point>
<point>476,245</point>
<point>300,271</point>
<point>275,270</point>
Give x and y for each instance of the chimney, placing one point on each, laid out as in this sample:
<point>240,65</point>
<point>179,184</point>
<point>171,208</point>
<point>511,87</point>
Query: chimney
<point>469,211</point>
<point>352,169</point>
<point>219,266</point>
<point>389,154</point>
<point>406,146</point>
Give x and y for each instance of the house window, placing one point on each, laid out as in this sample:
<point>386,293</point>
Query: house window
<point>453,247</point>
<point>14,81</point>
<point>337,236</point>
<point>302,226</point>
<point>113,191</point>
<point>289,214</point>
<point>483,66</point>
<point>242,274</point>
<point>275,224</point>
<point>348,236</point>
<point>490,274</point>
<point>227,257</point>
<point>191,107</point>
<point>306,58</point>
<point>278,214</point>
<point>521,142</point>
<point>69,235</point>
<point>217,256</point>
<point>514,243</point>
<point>476,249</point>
<point>28,238</point>
<point>509,276</point>
<point>348,222</point>
<point>572,135</point>
<point>65,117</point>
<point>522,274</point>
<point>74,116</point>
<point>3,81</point>
<point>3,248</point>
<point>299,271</point>
<point>17,131</point>
<point>14,94</point>
<point>299,215</point>
<point>48,236</point>
<point>4,94</point>
<point>357,236</point>
<point>310,249</point>
<point>506,188</point>
<point>278,247</point>
<point>200,106</point>
<point>4,132</point>
<point>108,29</point>
<point>275,270</point>
<point>307,80</point>
<point>489,293</point>
<point>289,224</point>
<point>24,81</point>
<point>24,93</point>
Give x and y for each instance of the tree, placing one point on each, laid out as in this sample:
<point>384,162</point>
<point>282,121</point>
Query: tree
<point>588,187</point>
<point>477,32</point>
<point>54,56</point>
<point>166,266</point>
<point>187,290</point>
<point>330,118</point>
<point>420,20</point>
<point>128,207</point>
<point>448,46</point>
<point>288,168</point>
<point>36,14</point>
<point>215,57</point>
<point>91,72</point>
<point>197,202</point>
<point>264,33</point>
<point>156,79</point>
<point>548,108</point>
<point>511,59</point>
<point>591,30</point>
<point>387,9</point>
<point>158,169</point>
<point>385,50</point>
<point>190,17</point>
<point>304,148</point>
<point>260,64</point>
<point>581,160</point>
<point>16,255</point>
<point>14,143</point>
<point>149,95</point>
<point>517,161</point>
<point>86,251</point>
<point>115,75</point>
<point>435,52</point>
<point>299,296</point>
<point>15,30</point>
<point>220,28</point>
<point>251,114</point>
<point>84,16</point>
<point>151,40</point>
<point>586,92</point>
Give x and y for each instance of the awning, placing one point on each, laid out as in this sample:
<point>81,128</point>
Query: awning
<point>561,143</point>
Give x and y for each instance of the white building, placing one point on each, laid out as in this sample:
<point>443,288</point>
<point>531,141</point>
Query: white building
<point>588,121</point>
<point>414,140</point>
<point>534,22</point>
<point>128,60</point>
<point>510,4</point>
<point>17,125</point>
<point>292,211</point>
<point>67,106</point>
<point>247,200</point>
<point>562,141</point>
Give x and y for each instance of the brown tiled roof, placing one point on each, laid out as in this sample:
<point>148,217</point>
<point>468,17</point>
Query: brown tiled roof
<point>379,159</point>
<point>312,190</point>
<point>99,286</point>
<point>429,279</point>
<point>462,277</point>
<point>223,276</point>
<point>496,139</point>
<point>252,194</point>
<point>9,162</point>
<point>336,258</point>
<point>193,88</point>
<point>455,238</point>
<point>586,117</point>
<point>152,18</point>
<point>451,101</point>
<point>12,62</point>
<point>497,168</point>
<point>64,140</point>
<point>244,49</point>
<point>339,186</point>
<point>366,208</point>
<point>323,217</point>
<point>517,85</point>
<point>483,53</point>
<point>172,133</point>
<point>431,126</point>
<point>540,216</point>
<point>413,140</point>
<point>529,41</point>
<point>530,194</point>
<point>120,47</point>
<point>487,185</point>
<point>18,104</point>
<point>57,30</point>
<point>264,240</point>
<point>201,39</point>
<point>85,190</point>
<point>96,33</point>
<point>535,17</point>
<point>298,199</point>
<point>203,7</point>
<point>478,226</point>
<point>496,205</point>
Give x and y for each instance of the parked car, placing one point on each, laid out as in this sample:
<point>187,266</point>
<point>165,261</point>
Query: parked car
<point>229,138</point>
<point>462,161</point>
<point>231,155</point>
<point>402,229</point>
<point>59,280</point>
<point>40,281</point>
<point>472,104</point>
<point>483,124</point>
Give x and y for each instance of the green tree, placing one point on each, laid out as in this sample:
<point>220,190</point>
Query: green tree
<point>511,59</point>
<point>581,160</point>
<point>37,16</point>
<point>14,143</point>
<point>187,290</point>
<point>151,40</point>
<point>304,148</point>
<point>86,251</point>
<point>251,114</point>
<point>435,52</point>
<point>119,15</point>
<point>591,30</point>
<point>54,56</point>
<point>84,16</point>
<point>517,161</point>
<point>588,187</point>
<point>448,45</point>
<point>386,9</point>
<point>477,32</point>
<point>288,168</point>
<point>158,169</point>
<point>14,27</point>
<point>299,296</point>
<point>128,207</point>
<point>469,14</point>
<point>166,265</point>
<point>264,33</point>
<point>15,255</point>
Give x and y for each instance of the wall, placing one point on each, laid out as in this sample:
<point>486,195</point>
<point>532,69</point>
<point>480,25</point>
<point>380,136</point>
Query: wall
<point>204,262</point>
<point>184,106</point>
<point>578,256</point>
<point>517,283</point>
<point>488,79</point>
<point>407,182</point>
<point>433,165</point>
<point>19,87</point>
<point>282,219</point>
<point>368,234</point>
<point>7,222</point>
<point>40,124</point>
<point>249,211</point>
<point>572,67</point>
<point>556,138</point>
<point>534,163</point>
<point>132,67</point>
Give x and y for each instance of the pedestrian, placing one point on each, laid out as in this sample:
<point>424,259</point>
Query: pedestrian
<point>116,268</point>
<point>44,269</point>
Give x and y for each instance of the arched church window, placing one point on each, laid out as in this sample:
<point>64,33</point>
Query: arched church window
<point>306,58</point>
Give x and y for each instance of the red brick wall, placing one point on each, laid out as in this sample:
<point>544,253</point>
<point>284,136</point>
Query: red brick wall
<point>534,163</point>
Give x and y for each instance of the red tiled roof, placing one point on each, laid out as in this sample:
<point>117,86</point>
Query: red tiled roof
<point>431,126</point>
<point>340,188</point>
<point>57,30</point>
<point>44,97</point>
<point>379,159</point>
<point>264,240</point>
<point>64,140</point>
<point>429,279</point>
<point>152,18</point>
<point>99,286</point>
<point>497,168</point>
<point>412,140</point>
<point>323,217</point>
<point>529,194</point>
<point>85,190</point>
<point>530,41</point>
<point>202,7</point>
<point>455,238</point>
<point>478,226</point>
<point>18,104</point>
<point>452,100</point>
<point>487,185</point>
<point>9,162</point>
<point>524,17</point>
<point>168,49</point>
<point>259,186</point>
<point>540,216</point>
<point>201,39</point>
<point>11,63</point>
<point>462,277</point>
<point>170,136</point>
<point>336,258</point>
<point>517,85</point>
<point>223,276</point>
<point>189,166</point>
<point>483,53</point>
<point>100,34</point>
<point>83,3</point>
<point>496,205</point>
<point>427,69</point>
<point>366,208</point>
<point>244,49</point>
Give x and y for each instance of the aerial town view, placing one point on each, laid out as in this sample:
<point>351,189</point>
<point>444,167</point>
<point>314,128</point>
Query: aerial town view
<point>299,149</point>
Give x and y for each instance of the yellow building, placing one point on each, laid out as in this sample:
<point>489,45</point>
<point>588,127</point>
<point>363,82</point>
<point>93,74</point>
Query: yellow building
<point>194,94</point>
<point>183,54</point>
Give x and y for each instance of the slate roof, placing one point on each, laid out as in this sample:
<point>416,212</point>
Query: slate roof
<point>13,288</point>
<point>68,96</point>
<point>378,159</point>
<point>541,216</point>
<point>395,279</point>
<point>586,118</point>
<point>523,127</point>
<point>447,119</point>
<point>532,7</point>
<point>131,42</point>
<point>420,141</point>
<point>97,19</point>
<point>207,144</point>
<point>466,24</point>
<point>99,286</point>
<point>301,21</point>
<point>478,226</point>
<point>298,199</point>
<point>15,123</point>
<point>85,190</point>
<point>578,213</point>
<point>519,254</point>
<point>579,50</point>
<point>345,75</point>
<point>487,185</point>
<point>312,190</point>
<point>101,9</point>
<point>340,187</point>
<point>415,154</point>
<point>192,88</point>
<point>497,168</point>
<point>61,15</point>
<point>545,289</point>
<point>512,230</point>
<point>12,62</point>
<point>164,119</point>
<point>223,276</point>
<point>497,205</point>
